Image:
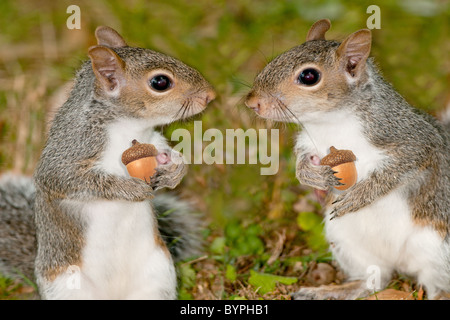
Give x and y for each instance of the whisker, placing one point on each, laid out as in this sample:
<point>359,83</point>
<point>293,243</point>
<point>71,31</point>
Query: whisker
<point>184,110</point>
<point>191,108</point>
<point>282,109</point>
<point>280,114</point>
<point>288,111</point>
<point>176,116</point>
<point>241,82</point>
<point>187,109</point>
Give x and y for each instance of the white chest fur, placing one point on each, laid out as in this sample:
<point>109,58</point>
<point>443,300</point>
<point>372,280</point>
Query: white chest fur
<point>383,234</point>
<point>382,238</point>
<point>343,131</point>
<point>121,256</point>
<point>120,136</point>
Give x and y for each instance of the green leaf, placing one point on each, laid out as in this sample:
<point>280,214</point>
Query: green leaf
<point>255,245</point>
<point>308,220</point>
<point>187,276</point>
<point>267,282</point>
<point>316,239</point>
<point>311,223</point>
<point>218,245</point>
<point>183,294</point>
<point>230,273</point>
<point>233,230</point>
<point>253,230</point>
<point>238,298</point>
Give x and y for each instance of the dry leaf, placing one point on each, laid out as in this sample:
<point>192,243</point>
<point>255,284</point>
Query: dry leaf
<point>391,294</point>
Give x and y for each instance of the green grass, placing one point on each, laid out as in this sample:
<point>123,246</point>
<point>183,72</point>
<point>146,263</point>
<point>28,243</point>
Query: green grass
<point>251,217</point>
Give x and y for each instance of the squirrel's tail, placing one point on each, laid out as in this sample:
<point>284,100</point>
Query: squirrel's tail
<point>179,226</point>
<point>17,228</point>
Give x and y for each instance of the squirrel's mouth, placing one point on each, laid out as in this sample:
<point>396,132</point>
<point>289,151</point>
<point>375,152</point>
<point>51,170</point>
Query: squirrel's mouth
<point>270,107</point>
<point>194,105</point>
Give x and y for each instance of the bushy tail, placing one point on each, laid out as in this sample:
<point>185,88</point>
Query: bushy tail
<point>17,228</point>
<point>179,226</point>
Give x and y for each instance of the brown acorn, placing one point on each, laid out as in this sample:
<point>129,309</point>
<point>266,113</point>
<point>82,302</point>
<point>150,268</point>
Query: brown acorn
<point>140,160</point>
<point>342,161</point>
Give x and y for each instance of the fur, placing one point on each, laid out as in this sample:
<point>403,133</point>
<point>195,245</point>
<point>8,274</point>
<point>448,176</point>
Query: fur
<point>81,185</point>
<point>397,215</point>
<point>178,225</point>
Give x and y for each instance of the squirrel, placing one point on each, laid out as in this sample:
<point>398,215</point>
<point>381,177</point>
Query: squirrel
<point>396,218</point>
<point>178,225</point>
<point>96,228</point>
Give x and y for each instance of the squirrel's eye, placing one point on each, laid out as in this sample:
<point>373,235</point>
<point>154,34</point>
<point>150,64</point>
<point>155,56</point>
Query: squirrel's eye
<point>309,77</point>
<point>160,82</point>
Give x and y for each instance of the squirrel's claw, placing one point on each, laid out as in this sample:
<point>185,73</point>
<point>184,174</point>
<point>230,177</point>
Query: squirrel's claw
<point>168,175</point>
<point>336,201</point>
<point>343,206</point>
<point>335,214</point>
<point>317,176</point>
<point>332,215</point>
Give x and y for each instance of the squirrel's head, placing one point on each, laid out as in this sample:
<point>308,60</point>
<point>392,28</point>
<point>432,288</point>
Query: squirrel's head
<point>315,76</point>
<point>145,83</point>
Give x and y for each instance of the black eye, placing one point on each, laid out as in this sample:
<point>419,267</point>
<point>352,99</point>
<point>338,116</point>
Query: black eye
<point>160,82</point>
<point>309,77</point>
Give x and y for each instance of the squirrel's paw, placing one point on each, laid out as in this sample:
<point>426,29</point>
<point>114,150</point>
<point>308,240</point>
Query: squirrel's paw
<point>170,170</point>
<point>342,205</point>
<point>317,176</point>
<point>346,291</point>
<point>330,179</point>
<point>136,190</point>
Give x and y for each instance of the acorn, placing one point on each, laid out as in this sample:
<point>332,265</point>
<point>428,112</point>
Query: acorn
<point>342,161</point>
<point>140,160</point>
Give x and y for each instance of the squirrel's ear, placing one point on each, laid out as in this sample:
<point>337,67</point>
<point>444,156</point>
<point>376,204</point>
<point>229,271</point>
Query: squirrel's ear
<point>107,36</point>
<point>108,67</point>
<point>354,51</point>
<point>318,29</point>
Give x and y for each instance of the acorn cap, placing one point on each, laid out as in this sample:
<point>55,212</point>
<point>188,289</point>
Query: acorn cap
<point>337,157</point>
<point>138,151</point>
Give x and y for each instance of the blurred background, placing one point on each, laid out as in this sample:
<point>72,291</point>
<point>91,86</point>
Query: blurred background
<point>262,233</point>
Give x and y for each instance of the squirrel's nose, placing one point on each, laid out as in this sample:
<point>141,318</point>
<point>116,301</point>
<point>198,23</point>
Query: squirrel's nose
<point>253,102</point>
<point>210,95</point>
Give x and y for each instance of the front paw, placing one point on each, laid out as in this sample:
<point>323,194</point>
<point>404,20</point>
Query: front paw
<point>329,178</point>
<point>316,176</point>
<point>137,190</point>
<point>170,170</point>
<point>308,293</point>
<point>346,291</point>
<point>342,205</point>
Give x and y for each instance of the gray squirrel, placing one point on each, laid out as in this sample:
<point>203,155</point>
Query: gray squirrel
<point>396,218</point>
<point>96,232</point>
